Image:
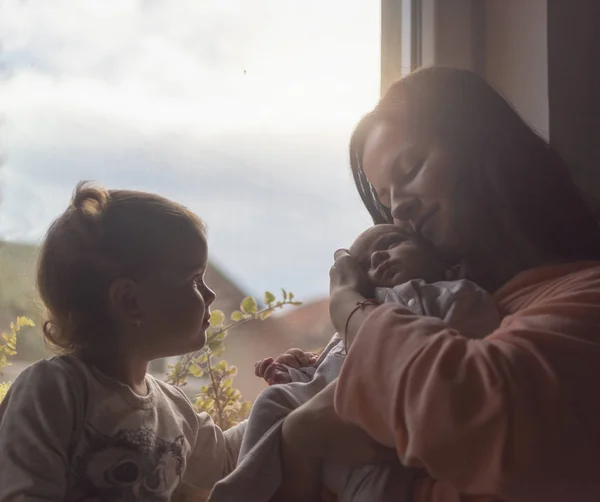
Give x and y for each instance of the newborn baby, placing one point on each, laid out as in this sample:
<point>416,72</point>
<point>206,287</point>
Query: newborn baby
<point>403,270</point>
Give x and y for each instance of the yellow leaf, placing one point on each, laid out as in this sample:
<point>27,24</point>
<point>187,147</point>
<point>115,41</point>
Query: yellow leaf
<point>269,297</point>
<point>216,318</point>
<point>249,305</point>
<point>267,313</point>
<point>237,316</point>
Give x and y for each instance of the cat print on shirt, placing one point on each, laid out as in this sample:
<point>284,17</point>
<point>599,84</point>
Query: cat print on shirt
<point>129,466</point>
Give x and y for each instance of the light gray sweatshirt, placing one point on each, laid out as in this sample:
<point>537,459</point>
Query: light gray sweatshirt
<point>70,433</point>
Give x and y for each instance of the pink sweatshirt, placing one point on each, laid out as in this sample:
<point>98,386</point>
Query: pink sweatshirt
<point>516,415</point>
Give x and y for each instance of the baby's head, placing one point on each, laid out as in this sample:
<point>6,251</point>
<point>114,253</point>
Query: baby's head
<point>390,256</point>
<point>125,268</point>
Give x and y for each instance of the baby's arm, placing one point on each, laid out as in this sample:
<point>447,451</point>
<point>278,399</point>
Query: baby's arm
<point>37,420</point>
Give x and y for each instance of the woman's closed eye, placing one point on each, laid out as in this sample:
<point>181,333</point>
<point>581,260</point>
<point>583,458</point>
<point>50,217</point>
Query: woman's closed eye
<point>409,170</point>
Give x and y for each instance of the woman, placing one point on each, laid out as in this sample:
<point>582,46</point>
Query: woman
<point>515,416</point>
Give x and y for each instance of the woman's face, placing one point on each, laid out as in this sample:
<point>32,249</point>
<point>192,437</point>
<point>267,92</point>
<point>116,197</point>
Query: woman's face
<point>416,181</point>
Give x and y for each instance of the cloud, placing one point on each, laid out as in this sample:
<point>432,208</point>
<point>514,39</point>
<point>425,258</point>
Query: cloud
<point>241,110</point>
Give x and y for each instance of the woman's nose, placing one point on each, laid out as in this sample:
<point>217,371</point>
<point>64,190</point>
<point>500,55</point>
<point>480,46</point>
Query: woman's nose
<point>378,257</point>
<point>405,209</point>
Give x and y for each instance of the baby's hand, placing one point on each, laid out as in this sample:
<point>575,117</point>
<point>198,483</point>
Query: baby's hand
<point>274,371</point>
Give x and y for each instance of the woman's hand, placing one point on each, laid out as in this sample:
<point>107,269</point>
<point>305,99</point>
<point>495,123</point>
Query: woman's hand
<point>349,285</point>
<point>315,429</point>
<point>346,274</point>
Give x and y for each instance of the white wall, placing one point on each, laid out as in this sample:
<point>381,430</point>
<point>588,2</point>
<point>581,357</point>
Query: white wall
<point>516,56</point>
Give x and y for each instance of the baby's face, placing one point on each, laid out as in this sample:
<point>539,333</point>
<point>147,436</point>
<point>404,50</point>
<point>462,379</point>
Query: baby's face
<point>391,257</point>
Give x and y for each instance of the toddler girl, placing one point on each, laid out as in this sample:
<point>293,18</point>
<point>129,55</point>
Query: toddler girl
<point>121,274</point>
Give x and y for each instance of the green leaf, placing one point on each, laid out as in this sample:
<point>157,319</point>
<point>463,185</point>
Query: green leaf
<point>237,316</point>
<point>290,296</point>
<point>196,371</point>
<point>265,314</point>
<point>216,318</point>
<point>249,305</point>
<point>284,294</point>
<point>214,345</point>
<point>269,297</point>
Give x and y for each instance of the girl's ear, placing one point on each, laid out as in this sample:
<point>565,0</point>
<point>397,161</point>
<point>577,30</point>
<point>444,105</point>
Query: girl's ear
<point>125,302</point>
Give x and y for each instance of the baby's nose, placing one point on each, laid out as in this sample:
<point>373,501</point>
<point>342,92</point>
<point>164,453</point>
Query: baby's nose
<point>377,258</point>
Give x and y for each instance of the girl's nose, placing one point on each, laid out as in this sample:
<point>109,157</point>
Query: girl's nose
<point>209,296</point>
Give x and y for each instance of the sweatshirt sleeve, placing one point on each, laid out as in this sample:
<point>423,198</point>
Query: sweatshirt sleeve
<point>215,453</point>
<point>482,416</point>
<point>37,419</point>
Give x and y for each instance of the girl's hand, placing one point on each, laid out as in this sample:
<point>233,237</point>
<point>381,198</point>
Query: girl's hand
<point>274,371</point>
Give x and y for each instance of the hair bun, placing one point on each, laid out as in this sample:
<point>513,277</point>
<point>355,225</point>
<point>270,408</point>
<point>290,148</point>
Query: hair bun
<point>90,199</point>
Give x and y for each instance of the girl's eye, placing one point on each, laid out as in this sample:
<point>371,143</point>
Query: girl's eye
<point>198,281</point>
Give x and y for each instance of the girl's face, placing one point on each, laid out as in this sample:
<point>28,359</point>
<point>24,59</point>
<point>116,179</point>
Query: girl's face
<point>175,301</point>
<point>416,181</point>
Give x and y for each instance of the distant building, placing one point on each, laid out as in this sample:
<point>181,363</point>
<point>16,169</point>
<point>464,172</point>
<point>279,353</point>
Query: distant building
<point>306,327</point>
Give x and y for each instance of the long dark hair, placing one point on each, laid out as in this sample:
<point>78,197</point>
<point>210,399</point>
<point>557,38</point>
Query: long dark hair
<point>511,180</point>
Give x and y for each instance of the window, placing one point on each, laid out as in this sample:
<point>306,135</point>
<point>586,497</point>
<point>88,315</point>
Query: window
<point>400,39</point>
<point>242,110</point>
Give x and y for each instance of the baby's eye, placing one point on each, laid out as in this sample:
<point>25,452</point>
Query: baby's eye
<point>393,244</point>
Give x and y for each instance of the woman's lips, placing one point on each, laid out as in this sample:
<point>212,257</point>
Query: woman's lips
<point>422,223</point>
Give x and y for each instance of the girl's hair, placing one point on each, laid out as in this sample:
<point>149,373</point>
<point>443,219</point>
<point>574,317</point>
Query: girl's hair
<point>103,235</point>
<point>511,181</point>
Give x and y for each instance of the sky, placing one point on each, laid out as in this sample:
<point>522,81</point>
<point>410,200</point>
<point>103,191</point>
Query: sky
<point>240,109</point>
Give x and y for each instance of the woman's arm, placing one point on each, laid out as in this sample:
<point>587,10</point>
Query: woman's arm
<point>513,414</point>
<point>316,430</point>
<point>301,476</point>
<point>349,289</point>
<point>485,416</point>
